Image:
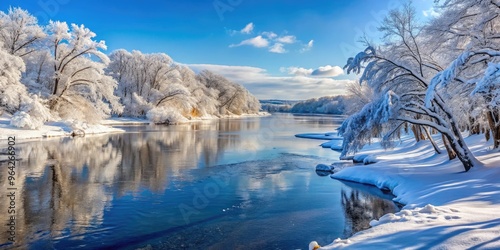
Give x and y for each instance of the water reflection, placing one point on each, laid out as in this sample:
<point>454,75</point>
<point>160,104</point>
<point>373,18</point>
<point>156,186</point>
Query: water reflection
<point>67,184</point>
<point>363,204</point>
<point>100,190</point>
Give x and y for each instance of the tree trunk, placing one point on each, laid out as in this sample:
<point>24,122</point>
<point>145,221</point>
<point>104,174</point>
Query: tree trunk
<point>434,145</point>
<point>458,144</point>
<point>495,130</point>
<point>416,132</point>
<point>56,86</point>
<point>451,154</point>
<point>473,127</point>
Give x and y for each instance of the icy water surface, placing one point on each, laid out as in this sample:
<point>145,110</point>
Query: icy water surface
<point>228,184</point>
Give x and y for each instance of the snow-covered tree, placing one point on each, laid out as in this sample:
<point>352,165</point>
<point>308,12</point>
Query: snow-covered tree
<point>151,79</point>
<point>323,105</point>
<point>233,98</point>
<point>466,34</point>
<point>19,31</point>
<point>12,91</point>
<point>79,82</point>
<point>402,73</point>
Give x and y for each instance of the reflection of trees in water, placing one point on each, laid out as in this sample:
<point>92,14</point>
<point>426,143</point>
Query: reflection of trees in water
<point>67,184</point>
<point>361,208</point>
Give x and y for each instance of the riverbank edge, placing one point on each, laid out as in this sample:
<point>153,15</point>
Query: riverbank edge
<point>421,179</point>
<point>56,129</point>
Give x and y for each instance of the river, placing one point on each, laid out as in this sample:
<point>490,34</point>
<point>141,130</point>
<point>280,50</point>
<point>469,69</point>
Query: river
<point>225,184</point>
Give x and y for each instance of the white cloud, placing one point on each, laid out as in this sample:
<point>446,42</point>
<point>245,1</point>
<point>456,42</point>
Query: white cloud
<point>321,72</point>
<point>248,29</point>
<point>431,13</point>
<point>267,38</point>
<point>277,48</point>
<point>269,34</point>
<point>265,86</point>
<point>297,71</point>
<point>257,41</point>
<point>308,46</point>
<point>328,71</point>
<point>287,39</point>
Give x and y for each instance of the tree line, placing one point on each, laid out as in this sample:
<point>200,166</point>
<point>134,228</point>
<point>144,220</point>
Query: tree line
<point>59,71</point>
<point>436,77</point>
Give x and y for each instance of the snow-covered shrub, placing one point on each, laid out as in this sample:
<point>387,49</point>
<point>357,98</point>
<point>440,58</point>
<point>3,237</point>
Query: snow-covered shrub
<point>165,115</point>
<point>22,119</point>
<point>33,114</point>
<point>136,106</point>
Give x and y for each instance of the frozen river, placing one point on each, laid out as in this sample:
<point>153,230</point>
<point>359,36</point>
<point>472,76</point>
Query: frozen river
<point>227,184</point>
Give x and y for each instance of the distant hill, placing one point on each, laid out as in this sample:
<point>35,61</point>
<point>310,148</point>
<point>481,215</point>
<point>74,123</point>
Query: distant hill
<point>274,105</point>
<point>335,105</point>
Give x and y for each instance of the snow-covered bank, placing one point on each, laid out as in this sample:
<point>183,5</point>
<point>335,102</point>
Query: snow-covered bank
<point>446,208</point>
<point>52,129</point>
<point>61,129</point>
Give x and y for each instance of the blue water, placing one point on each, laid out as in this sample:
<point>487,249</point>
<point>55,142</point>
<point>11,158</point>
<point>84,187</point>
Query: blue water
<point>228,184</point>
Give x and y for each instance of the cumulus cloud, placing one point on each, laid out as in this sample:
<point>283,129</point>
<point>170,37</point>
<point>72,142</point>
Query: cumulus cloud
<point>308,46</point>
<point>248,29</point>
<point>268,39</point>
<point>286,39</point>
<point>328,71</point>
<point>269,34</point>
<point>258,42</point>
<point>277,48</point>
<point>297,71</point>
<point>266,86</point>
<point>325,71</point>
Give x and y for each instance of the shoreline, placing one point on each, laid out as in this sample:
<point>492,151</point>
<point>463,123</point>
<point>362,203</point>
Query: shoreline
<point>438,196</point>
<point>55,129</point>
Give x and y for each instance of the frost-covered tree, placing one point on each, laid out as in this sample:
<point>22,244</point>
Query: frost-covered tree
<point>323,105</point>
<point>19,32</point>
<point>12,91</point>
<point>402,73</point>
<point>205,99</point>
<point>233,98</point>
<point>148,81</point>
<point>152,85</point>
<point>79,89</point>
<point>28,110</point>
<point>467,35</point>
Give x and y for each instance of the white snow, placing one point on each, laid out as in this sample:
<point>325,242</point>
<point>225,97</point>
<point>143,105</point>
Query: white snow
<point>51,129</point>
<point>334,144</point>
<point>320,136</point>
<point>445,208</point>
<point>65,128</point>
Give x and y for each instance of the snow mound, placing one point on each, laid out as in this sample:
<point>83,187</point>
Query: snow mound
<point>324,168</point>
<point>333,144</point>
<point>320,136</point>
<point>427,214</point>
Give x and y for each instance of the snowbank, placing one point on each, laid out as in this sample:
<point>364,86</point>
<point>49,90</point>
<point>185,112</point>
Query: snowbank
<point>445,207</point>
<point>333,144</point>
<point>60,129</point>
<point>51,129</point>
<point>320,136</point>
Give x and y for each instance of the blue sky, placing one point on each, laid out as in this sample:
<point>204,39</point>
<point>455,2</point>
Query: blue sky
<point>287,49</point>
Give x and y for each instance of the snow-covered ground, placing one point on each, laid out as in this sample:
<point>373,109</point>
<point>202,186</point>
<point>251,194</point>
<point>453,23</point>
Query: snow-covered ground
<point>445,207</point>
<point>59,129</point>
